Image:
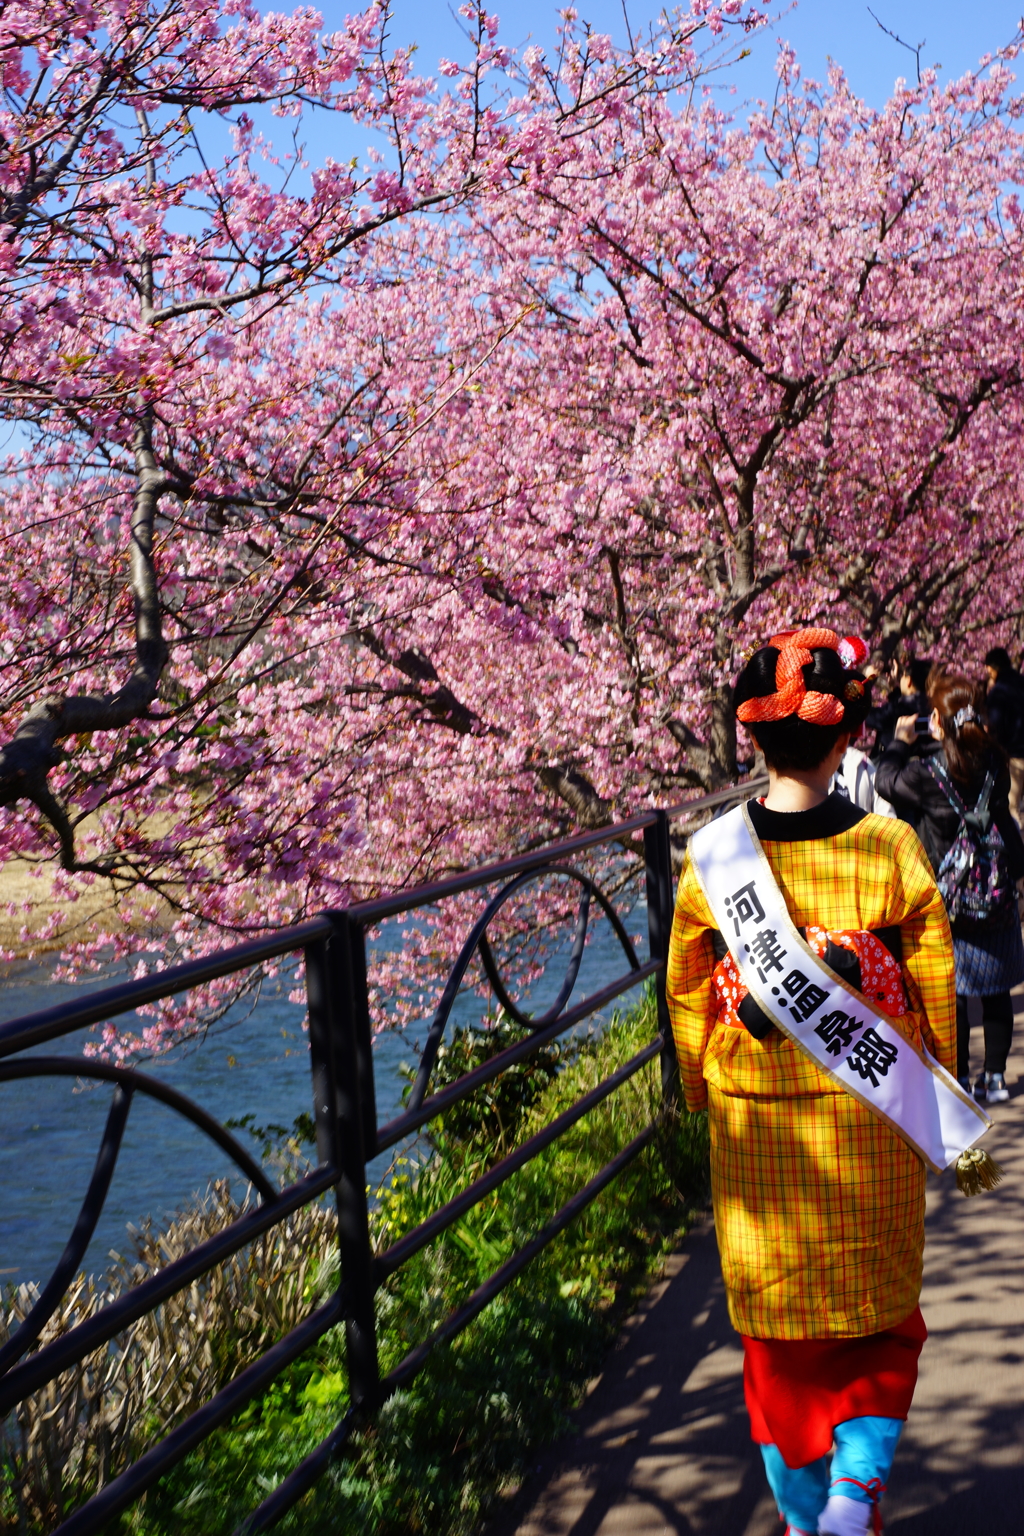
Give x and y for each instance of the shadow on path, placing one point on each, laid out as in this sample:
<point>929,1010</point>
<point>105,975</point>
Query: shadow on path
<point>661,1447</point>
<point>662,1442</point>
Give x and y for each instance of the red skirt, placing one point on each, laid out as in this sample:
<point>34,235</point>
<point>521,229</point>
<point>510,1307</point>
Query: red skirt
<point>798,1390</point>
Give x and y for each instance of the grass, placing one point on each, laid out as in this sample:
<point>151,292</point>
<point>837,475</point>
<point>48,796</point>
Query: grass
<point>444,1454</point>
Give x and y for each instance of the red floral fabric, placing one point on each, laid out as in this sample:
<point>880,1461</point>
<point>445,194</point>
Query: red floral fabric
<point>881,980</point>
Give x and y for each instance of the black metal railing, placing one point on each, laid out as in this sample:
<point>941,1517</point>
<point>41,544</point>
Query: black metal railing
<point>347,1137</point>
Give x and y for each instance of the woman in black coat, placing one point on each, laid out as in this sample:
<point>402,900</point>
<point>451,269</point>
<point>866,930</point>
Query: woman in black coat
<point>989,952</point>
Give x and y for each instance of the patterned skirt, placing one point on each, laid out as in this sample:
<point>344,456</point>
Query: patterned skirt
<point>989,958</point>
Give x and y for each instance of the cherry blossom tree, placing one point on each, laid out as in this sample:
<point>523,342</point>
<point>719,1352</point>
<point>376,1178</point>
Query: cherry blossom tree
<point>771,375</point>
<point>369,522</point>
<point>214,533</point>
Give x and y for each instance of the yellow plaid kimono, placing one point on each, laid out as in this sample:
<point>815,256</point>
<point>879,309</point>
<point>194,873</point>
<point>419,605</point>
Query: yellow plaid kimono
<point>819,1206</point>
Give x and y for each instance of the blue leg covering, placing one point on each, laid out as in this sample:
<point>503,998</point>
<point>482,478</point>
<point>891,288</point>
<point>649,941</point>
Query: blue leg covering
<point>864,1452</point>
<point>799,1492</point>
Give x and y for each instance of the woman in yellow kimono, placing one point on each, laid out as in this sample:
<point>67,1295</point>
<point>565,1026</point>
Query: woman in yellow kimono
<point>819,1205</point>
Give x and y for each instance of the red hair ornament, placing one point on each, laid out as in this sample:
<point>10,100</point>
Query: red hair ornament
<point>852,652</point>
<point>792,696</point>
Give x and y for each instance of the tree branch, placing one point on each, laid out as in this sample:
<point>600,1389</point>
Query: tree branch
<point>588,807</point>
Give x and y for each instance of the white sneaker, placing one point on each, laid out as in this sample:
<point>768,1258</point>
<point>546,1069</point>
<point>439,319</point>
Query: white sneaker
<point>997,1091</point>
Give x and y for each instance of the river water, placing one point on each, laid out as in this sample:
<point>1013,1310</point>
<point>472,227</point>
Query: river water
<point>50,1129</point>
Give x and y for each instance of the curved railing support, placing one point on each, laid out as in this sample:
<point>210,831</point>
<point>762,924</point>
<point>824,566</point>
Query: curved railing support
<point>81,1234</point>
<point>127,1082</point>
<point>477,940</point>
<point>138,1082</point>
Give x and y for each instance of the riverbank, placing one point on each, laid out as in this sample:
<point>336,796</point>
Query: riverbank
<point>36,919</point>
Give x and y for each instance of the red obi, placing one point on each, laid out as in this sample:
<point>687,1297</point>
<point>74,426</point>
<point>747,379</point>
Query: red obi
<point>798,1390</point>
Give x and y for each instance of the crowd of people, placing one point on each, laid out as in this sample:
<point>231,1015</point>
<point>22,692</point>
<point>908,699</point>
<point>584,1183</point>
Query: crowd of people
<point>945,752</point>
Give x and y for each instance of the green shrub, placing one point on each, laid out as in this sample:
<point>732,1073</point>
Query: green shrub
<point>491,1117</point>
<point>444,1452</point>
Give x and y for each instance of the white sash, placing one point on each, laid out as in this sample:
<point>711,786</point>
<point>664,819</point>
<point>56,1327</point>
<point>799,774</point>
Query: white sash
<point>837,1027</point>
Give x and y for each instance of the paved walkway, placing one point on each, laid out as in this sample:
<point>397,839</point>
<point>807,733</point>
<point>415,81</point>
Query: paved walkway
<point>662,1448</point>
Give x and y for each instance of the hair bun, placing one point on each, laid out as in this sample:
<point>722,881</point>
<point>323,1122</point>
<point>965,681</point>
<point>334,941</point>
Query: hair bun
<point>791,695</point>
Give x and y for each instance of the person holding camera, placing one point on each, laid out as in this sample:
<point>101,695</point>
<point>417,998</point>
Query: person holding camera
<point>955,792</point>
<point>907,699</point>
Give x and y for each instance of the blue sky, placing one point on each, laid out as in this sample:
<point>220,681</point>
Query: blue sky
<point>955,35</point>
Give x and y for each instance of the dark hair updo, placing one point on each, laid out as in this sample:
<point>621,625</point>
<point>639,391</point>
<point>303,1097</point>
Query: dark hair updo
<point>836,700</point>
<point>969,746</point>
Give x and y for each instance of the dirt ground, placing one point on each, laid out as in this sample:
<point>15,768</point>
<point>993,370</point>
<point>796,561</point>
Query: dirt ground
<point>94,912</point>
